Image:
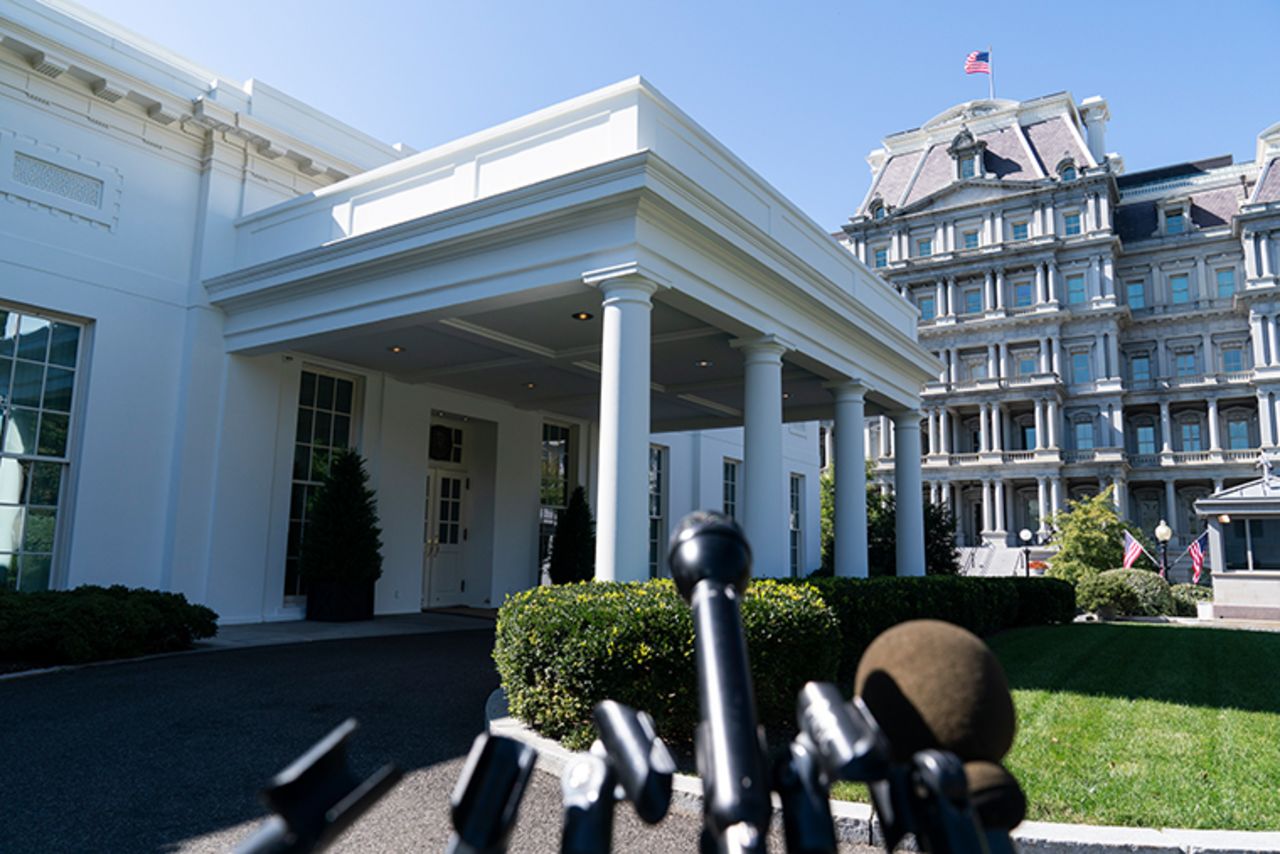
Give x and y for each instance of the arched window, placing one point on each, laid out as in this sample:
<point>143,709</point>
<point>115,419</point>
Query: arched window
<point>877,209</point>
<point>1067,170</point>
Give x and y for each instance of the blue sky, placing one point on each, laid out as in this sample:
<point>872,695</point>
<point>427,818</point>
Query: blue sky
<point>802,91</point>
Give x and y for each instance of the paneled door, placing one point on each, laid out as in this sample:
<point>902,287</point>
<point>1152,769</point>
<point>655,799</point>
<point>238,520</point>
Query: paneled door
<point>444,539</point>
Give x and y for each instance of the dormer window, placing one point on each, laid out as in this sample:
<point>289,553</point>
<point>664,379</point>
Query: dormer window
<point>967,152</point>
<point>877,210</point>
<point>1175,221</point>
<point>1067,170</point>
<point>966,167</point>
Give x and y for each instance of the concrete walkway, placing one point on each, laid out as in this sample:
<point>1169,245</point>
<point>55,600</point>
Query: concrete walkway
<point>304,631</point>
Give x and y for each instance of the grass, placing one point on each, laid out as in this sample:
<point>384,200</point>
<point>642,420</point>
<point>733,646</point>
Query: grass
<point>1145,725</point>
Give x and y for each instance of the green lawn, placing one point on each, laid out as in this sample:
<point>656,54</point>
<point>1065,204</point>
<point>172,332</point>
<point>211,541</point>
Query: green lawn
<point>1148,725</point>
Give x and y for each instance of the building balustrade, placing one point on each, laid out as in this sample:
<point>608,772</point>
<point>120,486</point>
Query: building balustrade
<point>1019,456</point>
<point>1079,455</point>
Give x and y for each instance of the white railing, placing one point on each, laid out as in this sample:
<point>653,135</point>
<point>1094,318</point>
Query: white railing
<point>1193,456</point>
<point>1019,456</point>
<point>1236,377</point>
<point>1143,460</point>
<point>1079,455</point>
<point>963,459</point>
<point>1242,455</point>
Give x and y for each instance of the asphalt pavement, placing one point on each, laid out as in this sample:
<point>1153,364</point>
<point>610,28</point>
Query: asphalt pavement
<point>168,754</point>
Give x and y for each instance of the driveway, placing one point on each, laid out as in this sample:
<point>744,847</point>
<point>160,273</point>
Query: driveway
<point>168,754</point>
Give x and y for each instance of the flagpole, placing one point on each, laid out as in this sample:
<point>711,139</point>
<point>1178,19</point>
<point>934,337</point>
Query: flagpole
<point>991,74</point>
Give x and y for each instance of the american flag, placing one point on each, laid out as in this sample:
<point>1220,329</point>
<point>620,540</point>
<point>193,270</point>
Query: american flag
<point>1132,548</point>
<point>978,62</point>
<point>1197,550</point>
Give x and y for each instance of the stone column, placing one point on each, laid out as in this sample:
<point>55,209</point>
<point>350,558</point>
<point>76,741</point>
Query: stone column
<point>1041,297</point>
<point>1050,218</point>
<point>1273,339</point>
<point>1265,250</point>
<point>1108,278</point>
<point>1104,210</point>
<point>909,527</point>
<point>997,427</point>
<point>1040,437</point>
<point>951,297</point>
<point>1120,496</point>
<point>1256,338</point>
<point>851,482</point>
<point>992,370</point>
<point>1044,355</point>
<point>1000,288</point>
<point>766,492</point>
<point>1090,211</point>
<point>1042,505</point>
<point>953,365</point>
<point>1215,439</point>
<point>988,291</point>
<point>1113,350</point>
<point>1002,360</point>
<point>1166,428</point>
<point>998,500</point>
<point>1266,425</point>
<point>984,428</point>
<point>1202,276</point>
<point>1171,506</point>
<point>1051,425</point>
<point>1057,496</point>
<point>986,508</point>
<point>944,429</point>
<point>1057,355</point>
<point>939,299</point>
<point>622,502</point>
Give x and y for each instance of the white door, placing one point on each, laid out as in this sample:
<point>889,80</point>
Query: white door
<point>444,537</point>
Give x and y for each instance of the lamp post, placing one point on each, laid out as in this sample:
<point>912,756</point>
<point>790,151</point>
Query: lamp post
<point>1025,536</point>
<point>1164,533</point>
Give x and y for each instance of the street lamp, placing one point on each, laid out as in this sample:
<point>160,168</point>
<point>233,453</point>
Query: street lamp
<point>1025,536</point>
<point>1164,533</point>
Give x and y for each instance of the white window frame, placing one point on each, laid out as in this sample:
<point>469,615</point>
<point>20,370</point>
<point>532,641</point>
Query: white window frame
<point>795,524</point>
<point>731,487</point>
<point>658,522</point>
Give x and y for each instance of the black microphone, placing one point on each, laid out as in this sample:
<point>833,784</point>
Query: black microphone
<point>487,796</point>
<point>711,564</point>
<point>640,759</point>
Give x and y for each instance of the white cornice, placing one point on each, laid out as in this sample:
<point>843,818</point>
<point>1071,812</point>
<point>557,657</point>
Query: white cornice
<point>1224,176</point>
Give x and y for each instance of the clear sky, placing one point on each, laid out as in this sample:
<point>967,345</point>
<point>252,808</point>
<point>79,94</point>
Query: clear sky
<point>802,91</point>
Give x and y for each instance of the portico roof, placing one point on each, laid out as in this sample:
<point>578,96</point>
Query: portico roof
<point>1259,497</point>
<point>474,256</point>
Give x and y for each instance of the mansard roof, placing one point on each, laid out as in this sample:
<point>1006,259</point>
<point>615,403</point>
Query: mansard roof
<point>1268,189</point>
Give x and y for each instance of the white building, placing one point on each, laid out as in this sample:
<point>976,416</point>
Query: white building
<point>207,287</point>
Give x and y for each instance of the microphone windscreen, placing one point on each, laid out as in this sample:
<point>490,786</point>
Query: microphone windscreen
<point>933,685</point>
<point>997,799</point>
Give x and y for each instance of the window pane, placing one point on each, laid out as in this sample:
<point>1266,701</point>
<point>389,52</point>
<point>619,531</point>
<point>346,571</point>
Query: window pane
<point>1019,231</point>
<point>1146,439</point>
<point>971,240</point>
<point>33,339</point>
<point>20,432</point>
<point>1238,435</point>
<point>319,463</point>
<point>1080,367</point>
<point>27,381</point>
<point>1232,360</point>
<point>1141,368</point>
<point>323,428</point>
<point>1072,223</point>
<point>1180,289</point>
<point>8,332</point>
<point>304,425</point>
<point>881,257</point>
<point>1084,435</point>
<point>38,533</point>
<point>1174,223</point>
<point>301,462</point>
<point>63,344</point>
<point>1226,283</point>
<point>973,302</point>
<point>1026,366</point>
<point>34,573</point>
<point>1022,294</point>
<point>324,392</point>
<point>345,394</point>
<point>341,431</point>
<point>53,435</point>
<point>966,167</point>
<point>307,393</point>
<point>1075,290</point>
<point>46,478</point>
<point>57,389</point>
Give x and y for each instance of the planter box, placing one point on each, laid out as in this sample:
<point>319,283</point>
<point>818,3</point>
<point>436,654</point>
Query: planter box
<point>339,601</point>
<point>1204,610</point>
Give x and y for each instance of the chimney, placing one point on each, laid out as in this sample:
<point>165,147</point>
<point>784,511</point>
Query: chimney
<point>1096,115</point>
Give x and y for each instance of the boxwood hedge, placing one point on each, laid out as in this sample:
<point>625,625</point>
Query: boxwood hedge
<point>1185,597</point>
<point>562,649</point>
<point>96,623</point>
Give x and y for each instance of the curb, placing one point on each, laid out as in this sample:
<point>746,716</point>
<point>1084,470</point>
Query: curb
<point>856,823</point>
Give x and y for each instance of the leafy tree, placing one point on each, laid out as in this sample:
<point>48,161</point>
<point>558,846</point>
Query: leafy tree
<point>573,545</point>
<point>1089,535</point>
<point>342,541</point>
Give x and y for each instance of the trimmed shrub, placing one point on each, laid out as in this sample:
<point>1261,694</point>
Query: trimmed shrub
<point>1154,599</point>
<point>1185,597</point>
<point>866,607</point>
<point>1102,592</point>
<point>97,623</point>
<point>573,543</point>
<point>1071,571</point>
<point>562,649</point>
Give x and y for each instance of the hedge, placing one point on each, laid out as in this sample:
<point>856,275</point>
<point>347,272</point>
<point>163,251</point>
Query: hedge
<point>562,649</point>
<point>1152,591</point>
<point>1185,597</point>
<point>865,607</point>
<point>95,623</point>
<point>1103,591</point>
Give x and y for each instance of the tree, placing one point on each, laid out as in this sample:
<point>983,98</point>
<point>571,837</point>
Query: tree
<point>342,541</point>
<point>573,545</point>
<point>1089,535</point>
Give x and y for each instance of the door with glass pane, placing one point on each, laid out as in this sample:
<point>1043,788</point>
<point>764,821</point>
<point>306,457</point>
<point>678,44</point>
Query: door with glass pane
<point>444,538</point>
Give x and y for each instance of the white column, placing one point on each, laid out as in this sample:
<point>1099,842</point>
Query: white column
<point>1114,350</point>
<point>997,427</point>
<point>986,507</point>
<point>1040,437</point>
<point>1256,338</point>
<point>1104,210</point>
<point>1050,219</point>
<point>1057,356</point>
<point>951,297</point>
<point>939,299</point>
<point>984,427</point>
<point>1057,497</point>
<point>1042,504</point>
<point>1044,355</point>
<point>1041,297</point>
<point>884,436</point>
<point>998,501</point>
<point>944,429</point>
<point>1000,288</point>
<point>992,371</point>
<point>1002,360</point>
<point>1171,506</point>
<point>999,226</point>
<point>1273,338</point>
<point>1090,210</point>
<point>622,502</point>
<point>909,496</point>
<point>1166,428</point>
<point>988,291</point>
<point>766,493</point>
<point>1266,425</point>
<point>1108,278</point>
<point>1120,496</point>
<point>851,482</point>
<point>1051,424</point>
<point>931,418</point>
<point>1266,254</point>
<point>953,370</point>
<point>1215,440</point>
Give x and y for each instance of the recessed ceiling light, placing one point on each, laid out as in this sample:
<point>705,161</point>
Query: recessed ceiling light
<point>703,363</point>
<point>396,348</point>
<point>582,315</point>
<point>530,385</point>
<point>786,395</point>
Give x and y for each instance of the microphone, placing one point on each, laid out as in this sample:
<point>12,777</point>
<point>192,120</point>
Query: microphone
<point>711,564</point>
<point>997,800</point>
<point>487,796</point>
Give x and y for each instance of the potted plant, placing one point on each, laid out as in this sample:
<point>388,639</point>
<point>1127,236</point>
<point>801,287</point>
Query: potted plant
<point>341,547</point>
<point>573,545</point>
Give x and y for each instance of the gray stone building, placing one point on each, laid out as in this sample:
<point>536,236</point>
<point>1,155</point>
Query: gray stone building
<point>1098,328</point>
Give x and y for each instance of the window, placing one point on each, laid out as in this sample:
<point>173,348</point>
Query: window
<point>38,363</point>
<point>1174,221</point>
<point>732,468</point>
<point>326,404</point>
<point>1226,283</point>
<point>1179,289</point>
<point>1190,436</point>
<point>924,247</point>
<point>1185,363</point>
<point>1067,171</point>
<point>1137,294</point>
<point>1232,359</point>
<point>1146,438</point>
<point>1027,365</point>
<point>969,239</point>
<point>1238,434</point>
<point>881,257</point>
<point>657,508</point>
<point>1076,294</point>
<point>877,210</point>
<point>973,301</point>
<point>926,306</point>
<point>966,167</point>
<point>1020,230</point>
<point>795,518</point>
<point>1081,370</point>
<point>1071,223</point>
<point>553,491</point>
<point>1021,294</point>
<point>1028,432</point>
<point>1084,435</point>
<point>1140,368</point>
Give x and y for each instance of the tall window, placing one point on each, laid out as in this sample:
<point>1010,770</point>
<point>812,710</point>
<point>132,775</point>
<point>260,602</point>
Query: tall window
<point>1084,435</point>
<point>1137,294</point>
<point>924,247</point>
<point>1174,222</point>
<point>966,167</point>
<point>973,301</point>
<point>795,518</point>
<point>1232,359</point>
<point>1075,290</point>
<point>732,468</point>
<point>38,363</point>
<point>1180,289</point>
<point>1190,436</point>
<point>927,310</point>
<point>1146,439</point>
<point>1140,368</point>
<point>657,507</point>
<point>1019,231</point>
<point>553,487</point>
<point>1186,364</point>
<point>1027,365</point>
<point>1071,223</point>
<point>1238,434</point>
<point>881,257</point>
<point>1226,283</point>
<point>970,239</point>
<point>1028,432</point>
<point>1021,294</point>
<point>1081,367</point>
<point>325,407</point>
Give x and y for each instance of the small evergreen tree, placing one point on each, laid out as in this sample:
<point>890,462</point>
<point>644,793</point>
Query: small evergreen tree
<point>1089,535</point>
<point>573,545</point>
<point>342,541</point>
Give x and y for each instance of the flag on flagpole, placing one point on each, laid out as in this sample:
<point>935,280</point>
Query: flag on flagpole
<point>1133,548</point>
<point>1197,550</point>
<point>978,62</point>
